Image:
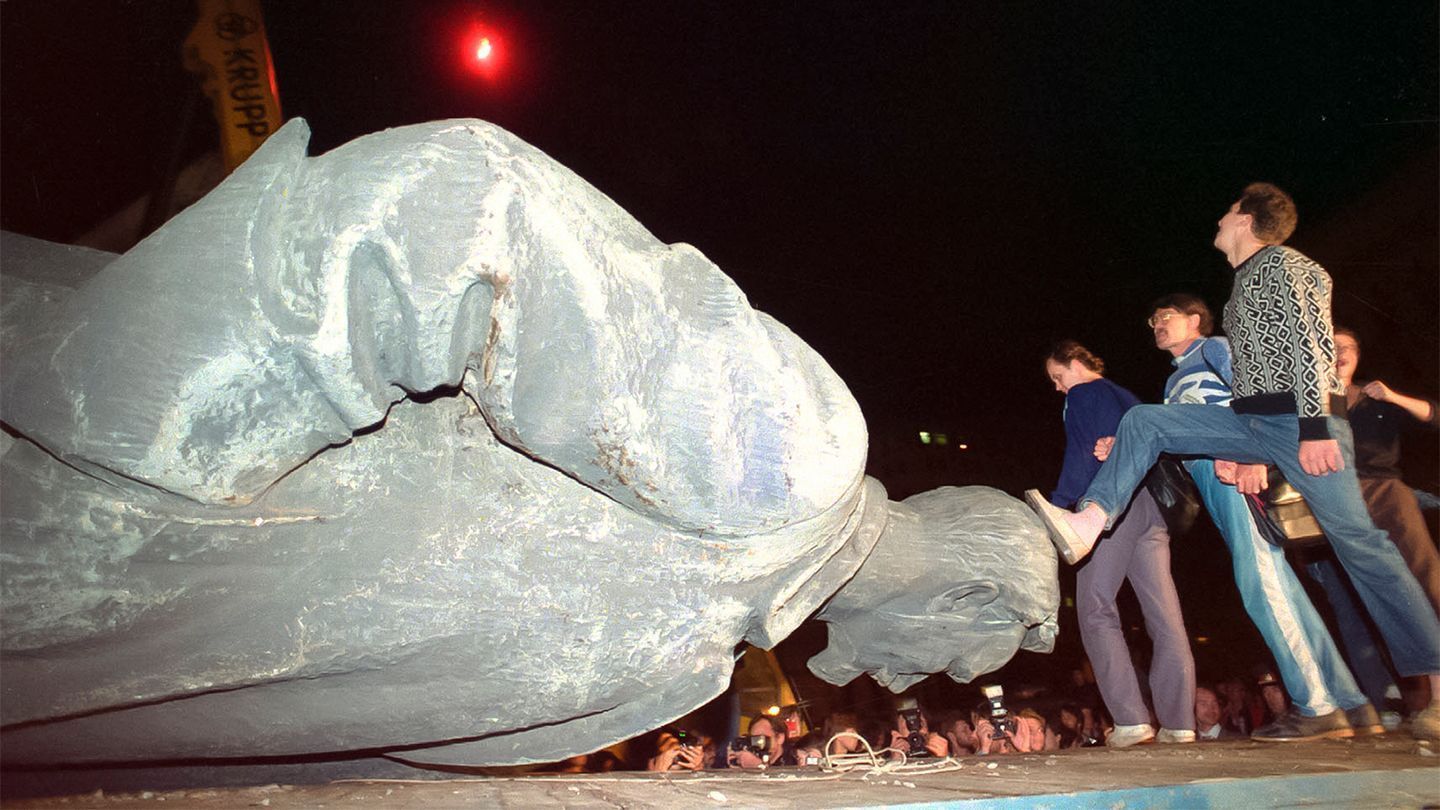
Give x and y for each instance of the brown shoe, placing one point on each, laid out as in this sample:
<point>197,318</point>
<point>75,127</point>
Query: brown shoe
<point>1426,724</point>
<point>1364,720</point>
<point>1293,726</point>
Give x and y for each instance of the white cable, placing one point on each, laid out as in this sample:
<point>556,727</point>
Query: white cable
<point>834,766</point>
<point>845,763</point>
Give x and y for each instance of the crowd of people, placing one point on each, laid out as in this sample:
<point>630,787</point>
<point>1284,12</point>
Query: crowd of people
<point>1278,396</point>
<point>1043,719</point>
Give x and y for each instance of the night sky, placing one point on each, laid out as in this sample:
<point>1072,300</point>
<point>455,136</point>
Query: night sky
<point>929,193</point>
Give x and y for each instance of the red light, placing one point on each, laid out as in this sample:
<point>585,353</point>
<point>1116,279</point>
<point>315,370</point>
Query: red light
<point>480,50</point>
<point>483,51</point>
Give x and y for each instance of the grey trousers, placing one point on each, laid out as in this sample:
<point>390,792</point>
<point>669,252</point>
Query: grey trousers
<point>1137,549</point>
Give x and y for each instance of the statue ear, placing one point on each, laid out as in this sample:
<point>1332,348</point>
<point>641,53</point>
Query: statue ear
<point>965,599</point>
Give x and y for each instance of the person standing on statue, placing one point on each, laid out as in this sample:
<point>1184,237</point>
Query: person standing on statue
<point>1288,410</point>
<point>1308,661</point>
<point>1137,549</point>
<point>1377,415</point>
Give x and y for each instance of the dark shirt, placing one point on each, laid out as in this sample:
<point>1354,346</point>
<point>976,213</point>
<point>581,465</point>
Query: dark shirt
<point>1377,427</point>
<point>1092,412</point>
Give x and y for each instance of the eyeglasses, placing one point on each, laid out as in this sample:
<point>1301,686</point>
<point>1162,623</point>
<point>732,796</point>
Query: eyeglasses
<point>1160,318</point>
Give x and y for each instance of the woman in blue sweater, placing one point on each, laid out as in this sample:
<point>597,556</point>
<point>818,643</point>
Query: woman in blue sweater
<point>1137,549</point>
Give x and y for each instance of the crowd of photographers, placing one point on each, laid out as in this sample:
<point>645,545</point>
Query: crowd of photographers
<point>1039,721</point>
<point>1032,720</point>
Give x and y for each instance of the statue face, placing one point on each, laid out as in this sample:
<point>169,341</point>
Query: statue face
<point>961,631</point>
<point>959,580</point>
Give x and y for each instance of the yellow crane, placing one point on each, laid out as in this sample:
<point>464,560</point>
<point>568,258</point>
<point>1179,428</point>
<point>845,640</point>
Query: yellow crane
<point>228,49</point>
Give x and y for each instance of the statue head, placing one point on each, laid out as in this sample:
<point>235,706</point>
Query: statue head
<point>959,580</point>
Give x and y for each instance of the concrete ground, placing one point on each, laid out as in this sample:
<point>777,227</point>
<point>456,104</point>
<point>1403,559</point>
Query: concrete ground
<point>1392,771</point>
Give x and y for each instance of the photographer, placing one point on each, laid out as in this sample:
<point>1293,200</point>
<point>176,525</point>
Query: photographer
<point>763,746</point>
<point>818,745</point>
<point>912,736</point>
<point>960,733</point>
<point>1042,735</point>
<point>1071,729</point>
<point>1021,734</point>
<point>679,751</point>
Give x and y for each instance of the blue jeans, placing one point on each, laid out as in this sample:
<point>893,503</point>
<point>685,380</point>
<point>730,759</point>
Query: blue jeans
<point>1389,591</point>
<point>1362,651</point>
<point>1310,665</point>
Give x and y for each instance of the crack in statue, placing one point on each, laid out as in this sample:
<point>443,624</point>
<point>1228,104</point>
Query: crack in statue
<point>426,446</point>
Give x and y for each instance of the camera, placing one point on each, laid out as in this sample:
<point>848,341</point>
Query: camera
<point>909,709</point>
<point>757,744</point>
<point>1001,723</point>
<point>687,739</point>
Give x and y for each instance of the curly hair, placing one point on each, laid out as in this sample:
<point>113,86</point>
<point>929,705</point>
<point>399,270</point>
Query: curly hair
<point>1272,211</point>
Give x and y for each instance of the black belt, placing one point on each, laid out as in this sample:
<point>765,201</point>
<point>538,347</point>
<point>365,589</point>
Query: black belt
<point>1283,402</point>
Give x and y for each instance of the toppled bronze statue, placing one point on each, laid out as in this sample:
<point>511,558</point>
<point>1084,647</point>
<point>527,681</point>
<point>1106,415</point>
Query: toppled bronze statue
<point>424,446</point>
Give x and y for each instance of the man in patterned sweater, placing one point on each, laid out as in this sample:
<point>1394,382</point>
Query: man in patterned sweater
<point>1288,410</point>
<point>1328,703</point>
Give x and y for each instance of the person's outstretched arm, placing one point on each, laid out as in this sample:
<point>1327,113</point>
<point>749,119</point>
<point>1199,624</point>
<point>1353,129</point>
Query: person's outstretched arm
<point>1422,409</point>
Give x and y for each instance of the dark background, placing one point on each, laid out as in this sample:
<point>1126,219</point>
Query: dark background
<point>929,193</point>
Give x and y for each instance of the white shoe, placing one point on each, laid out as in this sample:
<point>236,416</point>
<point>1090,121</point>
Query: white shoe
<point>1126,736</point>
<point>1068,542</point>
<point>1175,736</point>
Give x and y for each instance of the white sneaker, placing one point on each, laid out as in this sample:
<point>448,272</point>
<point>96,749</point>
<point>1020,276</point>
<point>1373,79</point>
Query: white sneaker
<point>1068,542</point>
<point>1126,736</point>
<point>1175,736</point>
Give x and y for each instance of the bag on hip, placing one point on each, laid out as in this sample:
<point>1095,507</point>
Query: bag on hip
<point>1283,516</point>
<point>1170,485</point>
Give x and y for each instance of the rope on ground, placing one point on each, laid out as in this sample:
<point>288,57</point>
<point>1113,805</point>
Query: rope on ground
<point>875,764</point>
<point>834,766</point>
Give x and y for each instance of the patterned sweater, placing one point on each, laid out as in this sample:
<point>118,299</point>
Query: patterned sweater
<point>1202,374</point>
<point>1278,320</point>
